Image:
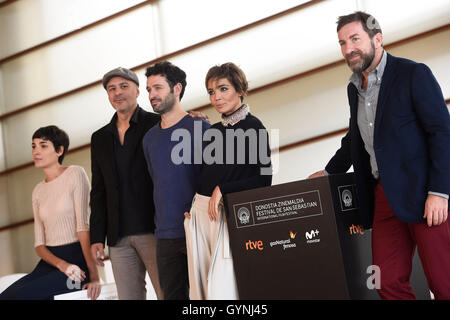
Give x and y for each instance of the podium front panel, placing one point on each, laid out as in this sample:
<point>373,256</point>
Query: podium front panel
<point>284,242</point>
<point>356,244</point>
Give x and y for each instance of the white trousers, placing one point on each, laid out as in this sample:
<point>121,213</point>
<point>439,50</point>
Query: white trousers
<point>210,265</point>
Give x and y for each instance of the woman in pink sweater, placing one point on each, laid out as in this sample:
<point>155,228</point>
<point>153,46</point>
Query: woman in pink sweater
<point>61,224</point>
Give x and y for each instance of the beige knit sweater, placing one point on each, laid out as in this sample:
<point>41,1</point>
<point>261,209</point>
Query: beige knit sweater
<point>60,208</point>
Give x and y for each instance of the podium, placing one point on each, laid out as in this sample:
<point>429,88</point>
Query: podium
<point>303,240</point>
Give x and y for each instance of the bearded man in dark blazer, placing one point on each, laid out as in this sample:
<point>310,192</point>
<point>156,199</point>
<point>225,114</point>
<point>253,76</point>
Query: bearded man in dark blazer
<point>399,145</point>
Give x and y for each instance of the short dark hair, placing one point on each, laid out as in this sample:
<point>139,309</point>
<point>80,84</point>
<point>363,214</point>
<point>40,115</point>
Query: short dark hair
<point>171,72</point>
<point>368,22</point>
<point>58,137</point>
<point>232,73</point>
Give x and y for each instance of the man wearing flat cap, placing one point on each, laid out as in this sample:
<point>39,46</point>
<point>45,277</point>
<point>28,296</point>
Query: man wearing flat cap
<point>122,209</point>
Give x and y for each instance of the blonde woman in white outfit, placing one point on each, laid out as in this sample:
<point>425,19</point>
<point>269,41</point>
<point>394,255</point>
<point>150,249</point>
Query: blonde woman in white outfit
<point>211,271</point>
<point>60,206</point>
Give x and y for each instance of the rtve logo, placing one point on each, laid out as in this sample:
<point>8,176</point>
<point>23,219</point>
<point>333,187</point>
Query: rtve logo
<point>356,229</point>
<point>252,245</point>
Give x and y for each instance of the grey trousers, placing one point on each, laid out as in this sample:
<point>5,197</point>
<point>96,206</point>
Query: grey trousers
<point>130,258</point>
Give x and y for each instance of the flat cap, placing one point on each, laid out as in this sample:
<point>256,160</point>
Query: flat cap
<point>120,72</point>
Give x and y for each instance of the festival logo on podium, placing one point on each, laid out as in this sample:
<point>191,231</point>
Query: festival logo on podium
<point>347,196</point>
<point>273,210</point>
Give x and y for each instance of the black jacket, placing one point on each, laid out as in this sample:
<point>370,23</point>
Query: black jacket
<point>104,220</point>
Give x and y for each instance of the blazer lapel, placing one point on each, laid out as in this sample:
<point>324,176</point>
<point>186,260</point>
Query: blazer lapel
<point>139,133</point>
<point>385,90</point>
<point>352,94</point>
<point>109,150</point>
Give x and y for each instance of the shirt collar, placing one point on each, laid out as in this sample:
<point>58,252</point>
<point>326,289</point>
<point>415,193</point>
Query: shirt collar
<point>381,66</point>
<point>378,72</point>
<point>236,116</point>
<point>134,118</point>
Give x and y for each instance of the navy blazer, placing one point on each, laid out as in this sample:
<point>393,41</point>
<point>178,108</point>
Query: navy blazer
<point>411,142</point>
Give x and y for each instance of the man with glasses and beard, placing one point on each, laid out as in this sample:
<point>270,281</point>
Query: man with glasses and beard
<point>174,180</point>
<point>398,143</point>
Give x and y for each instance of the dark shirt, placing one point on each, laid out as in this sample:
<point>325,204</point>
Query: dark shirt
<point>131,222</point>
<point>173,158</point>
<point>236,167</point>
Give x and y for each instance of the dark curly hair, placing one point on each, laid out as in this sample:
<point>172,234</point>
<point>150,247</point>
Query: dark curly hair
<point>171,72</point>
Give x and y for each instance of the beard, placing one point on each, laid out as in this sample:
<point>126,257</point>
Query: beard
<point>165,105</point>
<point>366,59</point>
